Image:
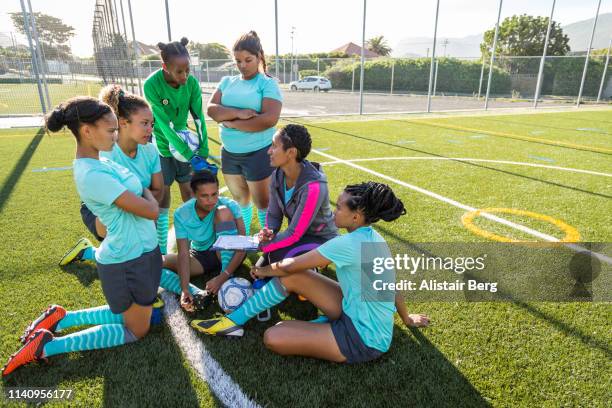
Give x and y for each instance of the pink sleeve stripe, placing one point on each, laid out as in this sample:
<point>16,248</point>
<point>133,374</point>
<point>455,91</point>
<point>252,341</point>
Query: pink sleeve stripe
<point>305,218</point>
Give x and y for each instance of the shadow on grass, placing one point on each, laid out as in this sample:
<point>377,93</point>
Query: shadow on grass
<point>9,183</point>
<point>560,325</point>
<point>482,166</point>
<point>149,372</point>
<point>85,272</point>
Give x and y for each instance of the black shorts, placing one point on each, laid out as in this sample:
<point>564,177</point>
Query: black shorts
<point>89,219</point>
<point>253,166</point>
<point>350,343</point>
<point>208,259</point>
<point>173,169</point>
<point>134,281</point>
<point>305,244</point>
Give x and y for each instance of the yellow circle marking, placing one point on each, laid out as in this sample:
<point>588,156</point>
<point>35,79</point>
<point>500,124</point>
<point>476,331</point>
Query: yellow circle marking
<point>571,233</point>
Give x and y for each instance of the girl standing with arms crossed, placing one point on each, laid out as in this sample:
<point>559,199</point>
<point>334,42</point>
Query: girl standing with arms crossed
<point>247,107</point>
<point>174,94</point>
<point>129,261</point>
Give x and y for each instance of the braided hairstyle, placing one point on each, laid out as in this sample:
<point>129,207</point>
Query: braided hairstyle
<point>173,49</point>
<point>250,42</point>
<point>124,104</point>
<point>376,200</point>
<point>75,112</point>
<point>296,136</point>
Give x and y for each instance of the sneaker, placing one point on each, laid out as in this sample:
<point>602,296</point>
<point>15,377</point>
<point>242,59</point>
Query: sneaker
<point>47,320</point>
<point>222,326</point>
<point>76,252</point>
<point>31,351</point>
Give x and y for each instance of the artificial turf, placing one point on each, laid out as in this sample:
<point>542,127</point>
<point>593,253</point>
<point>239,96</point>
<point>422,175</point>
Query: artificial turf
<point>474,353</point>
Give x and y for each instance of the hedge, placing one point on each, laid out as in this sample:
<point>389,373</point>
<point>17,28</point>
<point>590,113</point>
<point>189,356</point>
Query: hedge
<point>412,75</point>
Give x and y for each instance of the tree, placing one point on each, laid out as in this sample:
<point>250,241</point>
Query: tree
<point>379,45</point>
<point>52,32</point>
<point>209,50</point>
<point>524,36</point>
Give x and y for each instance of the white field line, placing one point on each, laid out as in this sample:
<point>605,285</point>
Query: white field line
<point>465,207</point>
<point>595,173</point>
<point>194,350</point>
<point>228,392</point>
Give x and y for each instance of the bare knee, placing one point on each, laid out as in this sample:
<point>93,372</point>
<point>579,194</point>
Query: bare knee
<point>139,330</point>
<point>223,214</point>
<point>273,338</point>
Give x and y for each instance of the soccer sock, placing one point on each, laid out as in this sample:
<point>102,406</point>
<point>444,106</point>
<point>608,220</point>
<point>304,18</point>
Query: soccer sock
<point>89,254</point>
<point>97,337</point>
<point>94,315</point>
<point>270,295</point>
<point>261,215</point>
<point>172,283</point>
<point>162,229</point>
<point>225,228</point>
<point>247,216</point>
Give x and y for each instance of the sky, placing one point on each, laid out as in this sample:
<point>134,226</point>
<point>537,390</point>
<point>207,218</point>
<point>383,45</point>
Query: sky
<point>319,25</point>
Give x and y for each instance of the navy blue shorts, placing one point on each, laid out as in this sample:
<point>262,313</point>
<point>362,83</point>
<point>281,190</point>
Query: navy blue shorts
<point>173,169</point>
<point>305,244</point>
<point>350,343</point>
<point>134,281</point>
<point>89,219</point>
<point>253,166</point>
<point>208,259</point>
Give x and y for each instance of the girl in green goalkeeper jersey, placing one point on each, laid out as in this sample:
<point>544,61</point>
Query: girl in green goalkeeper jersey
<point>174,94</point>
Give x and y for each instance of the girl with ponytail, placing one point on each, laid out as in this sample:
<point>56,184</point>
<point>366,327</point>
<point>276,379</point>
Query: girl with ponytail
<point>247,107</point>
<point>129,261</point>
<point>133,151</point>
<point>358,324</point>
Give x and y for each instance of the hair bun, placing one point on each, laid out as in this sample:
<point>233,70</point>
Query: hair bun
<point>56,119</point>
<point>184,41</point>
<point>253,33</point>
<point>161,45</point>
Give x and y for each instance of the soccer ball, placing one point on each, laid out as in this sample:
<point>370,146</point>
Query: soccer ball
<point>233,293</point>
<point>192,139</point>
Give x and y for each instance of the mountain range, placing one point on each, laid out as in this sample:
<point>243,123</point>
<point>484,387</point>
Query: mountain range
<point>579,34</point>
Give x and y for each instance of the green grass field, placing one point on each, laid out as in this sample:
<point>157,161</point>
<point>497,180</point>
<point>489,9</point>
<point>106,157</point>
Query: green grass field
<point>474,354</point>
<point>23,98</point>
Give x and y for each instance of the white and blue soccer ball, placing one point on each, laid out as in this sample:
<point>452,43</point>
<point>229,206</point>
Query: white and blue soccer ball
<point>233,293</point>
<point>191,138</point>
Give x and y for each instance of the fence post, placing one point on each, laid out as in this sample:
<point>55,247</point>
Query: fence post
<point>603,76</point>
<point>433,57</point>
<point>318,68</point>
<point>435,85</point>
<point>42,66</point>
<point>392,75</point>
<point>586,61</point>
<point>481,78</point>
<point>353,80</point>
<point>486,106</point>
<point>541,69</point>
<point>26,23</point>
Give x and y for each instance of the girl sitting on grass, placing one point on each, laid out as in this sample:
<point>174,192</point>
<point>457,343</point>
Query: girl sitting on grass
<point>359,330</point>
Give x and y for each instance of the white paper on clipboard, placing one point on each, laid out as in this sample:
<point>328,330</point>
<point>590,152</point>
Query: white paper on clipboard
<point>236,243</point>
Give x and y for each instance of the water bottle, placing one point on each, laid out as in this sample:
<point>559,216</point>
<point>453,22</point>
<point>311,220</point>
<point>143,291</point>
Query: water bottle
<point>266,314</point>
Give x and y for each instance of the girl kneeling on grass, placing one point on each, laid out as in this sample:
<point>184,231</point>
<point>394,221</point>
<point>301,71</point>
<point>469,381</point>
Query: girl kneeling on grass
<point>129,260</point>
<point>358,330</point>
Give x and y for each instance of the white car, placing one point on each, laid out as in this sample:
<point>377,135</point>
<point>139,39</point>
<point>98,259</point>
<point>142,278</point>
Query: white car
<point>314,83</point>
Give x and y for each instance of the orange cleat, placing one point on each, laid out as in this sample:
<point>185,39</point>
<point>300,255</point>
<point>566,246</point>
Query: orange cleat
<point>47,320</point>
<point>31,351</point>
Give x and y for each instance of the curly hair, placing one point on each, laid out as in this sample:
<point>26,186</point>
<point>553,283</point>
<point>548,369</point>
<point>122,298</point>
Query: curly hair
<point>296,136</point>
<point>376,200</point>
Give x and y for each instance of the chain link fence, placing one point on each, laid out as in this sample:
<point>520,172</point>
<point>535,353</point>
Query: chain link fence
<point>32,84</point>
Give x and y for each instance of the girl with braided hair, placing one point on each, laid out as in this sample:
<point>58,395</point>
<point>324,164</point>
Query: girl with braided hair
<point>360,327</point>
